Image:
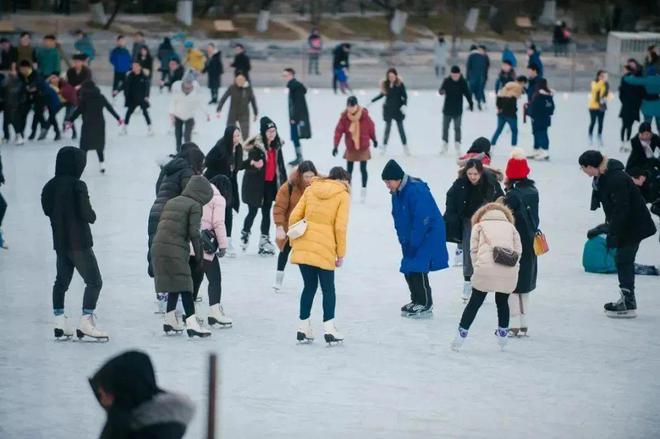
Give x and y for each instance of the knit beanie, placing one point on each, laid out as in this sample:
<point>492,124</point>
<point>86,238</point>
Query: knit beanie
<point>591,158</point>
<point>517,167</point>
<point>392,171</point>
<point>480,145</point>
<point>266,123</point>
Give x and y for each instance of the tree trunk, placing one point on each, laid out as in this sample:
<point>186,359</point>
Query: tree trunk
<point>118,4</point>
<point>315,11</point>
<point>97,12</point>
<point>264,16</point>
<point>206,8</point>
<point>184,12</point>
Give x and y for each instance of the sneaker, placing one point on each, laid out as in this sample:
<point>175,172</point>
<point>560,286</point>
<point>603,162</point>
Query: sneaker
<point>458,341</point>
<point>87,328</point>
<point>624,308</point>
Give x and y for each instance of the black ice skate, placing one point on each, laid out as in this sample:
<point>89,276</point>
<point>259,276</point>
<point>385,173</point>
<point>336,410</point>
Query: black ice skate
<point>418,312</point>
<point>624,308</point>
<point>407,307</point>
<point>245,240</point>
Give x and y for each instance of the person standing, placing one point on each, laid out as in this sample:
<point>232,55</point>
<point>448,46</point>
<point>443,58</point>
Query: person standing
<point>534,58</point>
<point>3,208</point>
<point>298,113</point>
<point>178,229</point>
<point>314,49</point>
<point>65,200</point>
<point>34,87</point>
<point>645,150</point>
<point>265,172</point>
<point>242,96</point>
<point>650,103</point>
<point>25,51</point>
<point>507,74</point>
<point>540,110</point>
<point>631,102</point>
<point>146,62</point>
<point>492,227</point>
<point>48,58</point>
<point>136,94</point>
<point>598,105</point>
<point>358,131</point>
<point>628,219</point>
<point>340,62</point>
<point>420,229</point>
<point>393,90</point>
<point>76,75</point>
<point>214,70</point>
<point>121,61</point>
<point>509,56</point>
<point>8,57</point>
<point>507,109</point>
<point>241,63</point>
<point>91,106</point>
<point>14,99</point>
<point>84,46</point>
<point>185,102</point>
<point>475,72</point>
<point>522,198</point>
<point>165,54</point>
<point>533,79</point>
<point>440,56</point>
<point>138,44</point>
<point>454,88</point>
<point>475,186</point>
<point>287,198</point>
<point>193,58</point>
<point>175,73</point>
<point>225,158</point>
<point>321,249</point>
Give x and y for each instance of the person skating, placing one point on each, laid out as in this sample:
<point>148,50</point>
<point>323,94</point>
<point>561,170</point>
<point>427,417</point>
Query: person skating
<point>242,96</point>
<point>522,198</point>
<point>165,54</point>
<point>214,70</point>
<point>600,90</point>
<point>121,60</point>
<point>34,87</point>
<point>475,72</point>
<point>358,131</point>
<point>14,98</point>
<point>321,249</point>
<point>186,101</point>
<point>533,79</point>
<point>90,107</point>
<point>650,102</point>
<point>492,228</point>
<point>507,109</point>
<point>475,186</point>
<point>84,46</point>
<point>507,74</point>
<point>393,90</point>
<point>75,77</point>
<point>645,151</point>
<point>178,228</point>
<point>136,94</point>
<point>65,200</point>
<point>225,158</point>
<point>453,88</point>
<point>54,102</point>
<point>298,113</point>
<point>340,62</point>
<point>3,208</point>
<point>540,110</point>
<point>136,407</point>
<point>440,56</point>
<point>420,229</point>
<point>146,62</point>
<point>175,73</point>
<point>241,63</point>
<point>286,200</point>
<point>534,58</point>
<point>631,102</point>
<point>48,57</point>
<point>265,172</point>
<point>628,219</point>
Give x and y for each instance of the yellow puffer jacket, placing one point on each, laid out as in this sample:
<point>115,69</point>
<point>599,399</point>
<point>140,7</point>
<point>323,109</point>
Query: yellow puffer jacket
<point>598,92</point>
<point>195,59</point>
<point>324,205</point>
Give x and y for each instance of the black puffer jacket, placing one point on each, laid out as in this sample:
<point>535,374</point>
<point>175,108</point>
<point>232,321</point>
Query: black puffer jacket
<point>395,98</point>
<point>221,161</point>
<point>65,201</point>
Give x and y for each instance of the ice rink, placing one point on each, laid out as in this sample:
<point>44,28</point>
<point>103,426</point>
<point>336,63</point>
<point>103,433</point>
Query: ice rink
<point>578,375</point>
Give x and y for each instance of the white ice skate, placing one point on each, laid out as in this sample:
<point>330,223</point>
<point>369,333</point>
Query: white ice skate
<point>19,140</point>
<point>123,131</point>
<point>266,248</point>
<point>467,291</point>
<point>62,329</point>
<point>457,148</point>
<point>599,139</point>
<point>217,317</point>
<point>331,334</point>
<point>406,150</point>
<point>383,149</point>
<point>171,324</point>
<point>279,279</point>
<point>161,302</point>
<point>87,328</point>
<point>591,141</point>
<point>150,131</point>
<point>363,195</point>
<point>231,251</point>
<point>458,341</point>
<point>458,257</point>
<point>305,333</point>
<point>625,147</point>
<point>502,335</point>
<point>194,330</point>
<point>534,154</point>
<point>543,155</point>
<point>445,148</point>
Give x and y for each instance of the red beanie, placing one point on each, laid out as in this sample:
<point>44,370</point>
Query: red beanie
<point>517,167</point>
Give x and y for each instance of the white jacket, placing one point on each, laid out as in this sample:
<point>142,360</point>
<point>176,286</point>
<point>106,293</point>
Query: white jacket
<point>184,106</point>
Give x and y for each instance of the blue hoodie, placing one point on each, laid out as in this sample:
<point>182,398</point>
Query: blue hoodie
<point>121,59</point>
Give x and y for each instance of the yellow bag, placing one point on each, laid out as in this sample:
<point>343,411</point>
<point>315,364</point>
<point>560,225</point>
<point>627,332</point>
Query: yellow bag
<point>540,244</point>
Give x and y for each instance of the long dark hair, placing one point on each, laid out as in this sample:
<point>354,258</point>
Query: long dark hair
<point>598,73</point>
<point>542,85</point>
<point>339,173</point>
<point>472,163</point>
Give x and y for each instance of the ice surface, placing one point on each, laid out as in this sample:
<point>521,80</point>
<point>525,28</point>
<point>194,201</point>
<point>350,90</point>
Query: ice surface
<point>579,374</point>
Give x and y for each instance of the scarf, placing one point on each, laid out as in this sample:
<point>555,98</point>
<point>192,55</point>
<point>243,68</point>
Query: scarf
<point>354,129</point>
<point>646,146</point>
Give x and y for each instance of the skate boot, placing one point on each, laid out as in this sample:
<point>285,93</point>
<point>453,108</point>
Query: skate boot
<point>279,279</point>
<point>266,248</point>
<point>457,148</point>
<point>19,139</point>
<point>591,141</point>
<point>3,243</point>
<point>418,311</point>
<point>625,147</point>
<point>406,150</point>
<point>461,335</point>
<point>101,168</point>
<point>502,336</point>
<point>363,195</point>
<point>194,330</point>
<point>150,131</point>
<point>172,324</point>
<point>534,154</point>
<point>600,141</point>
<point>62,329</point>
<point>217,317</point>
<point>245,240</point>
<point>514,332</point>
<point>123,131</point>
<point>624,308</point>
<point>330,332</point>
<point>383,149</point>
<point>87,328</point>
<point>543,155</point>
<point>32,135</point>
<point>161,300</point>
<point>305,334</point>
<point>405,309</point>
<point>467,291</point>
<point>42,134</point>
<point>57,137</point>
<point>298,160</point>
<point>445,148</point>
<point>231,251</point>
<point>458,257</point>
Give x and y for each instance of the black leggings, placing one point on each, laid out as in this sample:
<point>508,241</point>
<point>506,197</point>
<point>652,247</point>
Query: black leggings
<point>214,276</point>
<point>402,132</point>
<point>3,208</point>
<point>363,171</point>
<point>476,299</point>
<point>626,129</point>
<point>229,220</point>
<point>186,298</point>
<point>283,257</point>
<point>118,81</point>
<point>131,108</point>
<point>596,115</point>
<point>270,190</point>
<point>84,261</point>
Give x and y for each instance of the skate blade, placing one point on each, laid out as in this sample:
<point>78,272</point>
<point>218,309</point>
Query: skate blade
<point>418,316</point>
<point>213,323</point>
<point>169,330</point>
<point>631,314</point>
<point>303,339</point>
<point>82,337</point>
<point>193,334</point>
<point>63,338</point>
<point>332,341</point>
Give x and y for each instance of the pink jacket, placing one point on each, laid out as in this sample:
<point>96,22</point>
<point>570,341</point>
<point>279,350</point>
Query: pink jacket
<point>213,218</point>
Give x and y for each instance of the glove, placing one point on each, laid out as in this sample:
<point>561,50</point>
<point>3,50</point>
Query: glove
<point>335,151</point>
<point>612,241</point>
<point>222,252</point>
<point>280,233</point>
<point>375,143</point>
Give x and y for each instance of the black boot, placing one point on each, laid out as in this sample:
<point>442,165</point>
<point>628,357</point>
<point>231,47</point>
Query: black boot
<point>625,307</point>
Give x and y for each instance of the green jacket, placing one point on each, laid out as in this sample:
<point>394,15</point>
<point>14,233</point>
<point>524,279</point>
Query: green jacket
<point>652,87</point>
<point>179,225</point>
<point>48,61</point>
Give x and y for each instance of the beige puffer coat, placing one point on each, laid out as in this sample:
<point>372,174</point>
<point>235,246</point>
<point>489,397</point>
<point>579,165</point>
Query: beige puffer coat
<point>493,226</point>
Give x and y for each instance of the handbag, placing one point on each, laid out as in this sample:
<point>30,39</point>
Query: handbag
<point>502,255</point>
<point>209,241</point>
<point>540,243</point>
<point>297,230</point>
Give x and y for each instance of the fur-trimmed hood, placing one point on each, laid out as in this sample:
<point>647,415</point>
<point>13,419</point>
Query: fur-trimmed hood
<point>164,408</point>
<point>511,90</point>
<point>493,212</point>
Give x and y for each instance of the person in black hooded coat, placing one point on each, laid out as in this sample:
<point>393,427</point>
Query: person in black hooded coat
<point>645,149</point>
<point>136,407</point>
<point>631,97</point>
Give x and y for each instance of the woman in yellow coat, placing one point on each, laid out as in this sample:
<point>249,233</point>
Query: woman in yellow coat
<point>324,206</point>
<point>600,89</point>
<point>194,58</point>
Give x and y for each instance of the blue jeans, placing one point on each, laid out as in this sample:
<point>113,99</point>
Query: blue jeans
<point>311,278</point>
<point>294,134</point>
<point>477,89</point>
<point>513,123</point>
<point>541,140</point>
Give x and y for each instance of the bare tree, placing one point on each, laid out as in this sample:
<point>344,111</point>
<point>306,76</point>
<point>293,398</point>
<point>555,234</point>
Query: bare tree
<point>115,11</point>
<point>97,11</point>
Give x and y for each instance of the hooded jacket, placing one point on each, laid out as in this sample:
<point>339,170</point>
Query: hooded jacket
<point>540,109</point>
<point>287,199</point>
<point>184,106</point>
<point>179,226</point>
<point>213,219</point>
<point>325,206</point>
<point>252,191</point>
<point>65,201</point>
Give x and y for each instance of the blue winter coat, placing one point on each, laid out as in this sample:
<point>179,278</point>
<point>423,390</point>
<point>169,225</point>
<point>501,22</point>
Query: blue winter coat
<point>419,227</point>
<point>541,109</point>
<point>508,55</point>
<point>121,59</point>
<point>535,58</point>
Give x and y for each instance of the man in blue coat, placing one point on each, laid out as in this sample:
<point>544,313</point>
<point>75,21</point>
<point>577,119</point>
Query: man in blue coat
<point>421,232</point>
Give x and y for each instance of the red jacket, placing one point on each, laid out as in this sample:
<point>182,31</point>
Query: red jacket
<point>367,131</point>
<point>68,92</point>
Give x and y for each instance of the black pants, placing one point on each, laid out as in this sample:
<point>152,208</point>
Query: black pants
<point>596,115</point>
<point>8,120</point>
<point>214,93</point>
<point>625,266</point>
<point>100,155</point>
<point>145,110</point>
<point>3,208</point>
<point>38,118</point>
<point>214,276</point>
<point>52,121</point>
<point>186,298</point>
<point>283,257</point>
<point>270,190</point>
<point>68,111</point>
<point>446,120</point>
<point>164,77</point>
<point>229,219</point>
<point>363,171</point>
<point>402,132</point>
<point>312,276</point>
<point>420,290</point>
<point>85,263</point>
<point>626,129</point>
<point>477,299</point>
<point>182,128</point>
<point>118,81</point>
